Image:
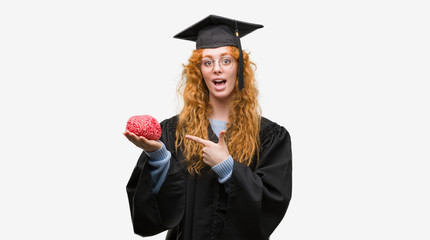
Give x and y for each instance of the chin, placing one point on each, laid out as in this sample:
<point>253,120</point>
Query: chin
<point>222,95</point>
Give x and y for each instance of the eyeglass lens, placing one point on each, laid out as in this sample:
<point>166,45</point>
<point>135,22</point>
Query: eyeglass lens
<point>225,63</point>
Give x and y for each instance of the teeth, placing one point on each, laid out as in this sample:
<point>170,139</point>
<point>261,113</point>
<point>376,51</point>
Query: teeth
<point>218,81</point>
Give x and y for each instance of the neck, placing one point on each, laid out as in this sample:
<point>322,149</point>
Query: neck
<point>220,108</point>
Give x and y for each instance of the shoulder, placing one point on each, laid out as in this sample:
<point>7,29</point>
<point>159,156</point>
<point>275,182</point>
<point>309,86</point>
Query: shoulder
<point>270,130</point>
<point>168,130</point>
<point>268,127</point>
<point>169,124</point>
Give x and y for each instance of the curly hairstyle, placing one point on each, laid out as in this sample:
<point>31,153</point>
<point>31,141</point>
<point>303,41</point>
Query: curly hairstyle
<point>242,136</point>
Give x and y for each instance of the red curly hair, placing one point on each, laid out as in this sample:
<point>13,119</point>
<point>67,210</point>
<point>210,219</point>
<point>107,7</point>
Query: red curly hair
<point>242,136</point>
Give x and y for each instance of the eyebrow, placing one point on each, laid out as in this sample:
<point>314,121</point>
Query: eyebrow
<point>222,55</point>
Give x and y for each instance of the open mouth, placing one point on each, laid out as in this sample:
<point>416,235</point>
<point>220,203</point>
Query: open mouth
<point>219,82</point>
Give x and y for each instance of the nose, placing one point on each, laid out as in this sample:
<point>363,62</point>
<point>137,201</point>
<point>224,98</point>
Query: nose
<point>217,67</point>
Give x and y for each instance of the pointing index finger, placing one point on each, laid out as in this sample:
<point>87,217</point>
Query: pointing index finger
<point>197,139</point>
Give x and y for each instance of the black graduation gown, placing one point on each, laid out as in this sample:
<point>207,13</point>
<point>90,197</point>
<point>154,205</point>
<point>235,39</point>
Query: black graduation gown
<point>198,206</point>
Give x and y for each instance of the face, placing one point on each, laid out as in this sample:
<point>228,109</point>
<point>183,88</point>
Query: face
<point>219,70</point>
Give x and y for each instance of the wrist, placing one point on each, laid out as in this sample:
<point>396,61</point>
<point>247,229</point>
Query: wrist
<point>159,154</point>
<point>225,168</point>
<point>154,147</point>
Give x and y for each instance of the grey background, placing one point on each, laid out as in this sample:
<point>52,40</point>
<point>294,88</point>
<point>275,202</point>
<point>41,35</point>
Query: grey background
<point>348,79</point>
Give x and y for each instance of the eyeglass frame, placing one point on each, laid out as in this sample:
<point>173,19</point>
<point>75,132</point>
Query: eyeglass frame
<point>207,68</point>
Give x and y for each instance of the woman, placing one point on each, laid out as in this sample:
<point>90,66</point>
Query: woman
<point>219,170</point>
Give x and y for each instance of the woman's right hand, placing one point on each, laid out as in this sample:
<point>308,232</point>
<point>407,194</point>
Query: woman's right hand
<point>142,142</point>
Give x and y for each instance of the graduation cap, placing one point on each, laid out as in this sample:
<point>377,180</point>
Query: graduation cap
<point>216,31</point>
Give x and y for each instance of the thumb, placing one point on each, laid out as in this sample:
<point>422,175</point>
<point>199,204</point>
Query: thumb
<point>221,137</point>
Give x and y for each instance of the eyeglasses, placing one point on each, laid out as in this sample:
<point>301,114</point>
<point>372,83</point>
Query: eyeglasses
<point>225,63</point>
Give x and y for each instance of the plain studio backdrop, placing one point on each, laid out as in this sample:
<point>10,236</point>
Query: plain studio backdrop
<point>348,79</point>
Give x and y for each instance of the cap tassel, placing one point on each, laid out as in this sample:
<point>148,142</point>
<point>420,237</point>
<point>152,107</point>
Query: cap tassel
<point>240,71</point>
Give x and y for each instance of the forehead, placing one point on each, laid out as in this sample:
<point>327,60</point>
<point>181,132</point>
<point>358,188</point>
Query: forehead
<point>214,52</point>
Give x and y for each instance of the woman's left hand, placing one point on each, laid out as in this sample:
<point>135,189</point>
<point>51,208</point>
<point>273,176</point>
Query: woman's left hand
<point>213,153</point>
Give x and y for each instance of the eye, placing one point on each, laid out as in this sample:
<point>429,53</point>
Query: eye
<point>226,61</point>
<point>207,63</point>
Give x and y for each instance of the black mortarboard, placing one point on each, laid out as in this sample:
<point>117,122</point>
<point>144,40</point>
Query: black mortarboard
<point>215,31</point>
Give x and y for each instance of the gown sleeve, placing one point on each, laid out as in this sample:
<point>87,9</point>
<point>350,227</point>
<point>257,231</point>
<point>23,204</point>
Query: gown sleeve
<point>159,162</point>
<point>259,198</point>
<point>150,213</point>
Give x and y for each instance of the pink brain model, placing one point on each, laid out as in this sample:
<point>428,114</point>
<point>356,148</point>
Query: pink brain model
<point>145,126</point>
